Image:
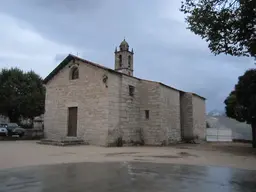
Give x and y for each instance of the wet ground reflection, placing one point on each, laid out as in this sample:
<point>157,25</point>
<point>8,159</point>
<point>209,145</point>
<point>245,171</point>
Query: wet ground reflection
<point>126,176</point>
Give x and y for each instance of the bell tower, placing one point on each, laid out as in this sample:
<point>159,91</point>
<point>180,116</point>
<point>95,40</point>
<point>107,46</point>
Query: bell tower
<point>124,59</point>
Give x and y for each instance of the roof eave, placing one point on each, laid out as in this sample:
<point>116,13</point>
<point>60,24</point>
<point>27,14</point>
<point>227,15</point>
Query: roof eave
<point>57,69</point>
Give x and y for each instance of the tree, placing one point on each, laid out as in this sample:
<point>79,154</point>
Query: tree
<point>21,94</point>
<point>241,102</point>
<point>228,25</point>
<point>11,83</point>
<point>33,102</point>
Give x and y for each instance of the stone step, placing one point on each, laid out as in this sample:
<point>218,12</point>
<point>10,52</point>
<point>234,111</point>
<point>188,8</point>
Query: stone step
<point>64,142</point>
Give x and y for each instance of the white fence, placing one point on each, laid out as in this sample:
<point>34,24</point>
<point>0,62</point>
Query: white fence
<point>220,135</point>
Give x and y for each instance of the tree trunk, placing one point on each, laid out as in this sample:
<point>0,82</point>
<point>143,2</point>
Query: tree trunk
<point>254,134</point>
<point>32,122</point>
<point>13,118</point>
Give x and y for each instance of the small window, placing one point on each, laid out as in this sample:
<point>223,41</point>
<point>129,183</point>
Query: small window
<point>120,60</point>
<point>74,73</point>
<point>131,90</point>
<point>146,114</point>
<point>129,61</point>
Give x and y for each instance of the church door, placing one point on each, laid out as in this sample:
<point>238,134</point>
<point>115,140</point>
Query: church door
<point>72,121</point>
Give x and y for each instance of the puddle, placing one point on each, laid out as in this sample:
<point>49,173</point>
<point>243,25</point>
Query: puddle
<point>61,154</point>
<point>134,176</point>
<point>186,154</point>
<point>137,159</point>
<point>120,154</point>
<point>179,155</point>
<point>167,156</point>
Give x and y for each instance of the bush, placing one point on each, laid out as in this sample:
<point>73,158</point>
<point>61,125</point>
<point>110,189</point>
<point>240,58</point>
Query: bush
<point>119,142</point>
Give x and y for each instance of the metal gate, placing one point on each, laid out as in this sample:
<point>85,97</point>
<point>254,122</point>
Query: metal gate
<point>220,135</point>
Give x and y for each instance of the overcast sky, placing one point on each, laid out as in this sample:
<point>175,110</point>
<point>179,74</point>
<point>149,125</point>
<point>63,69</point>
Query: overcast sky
<point>38,34</point>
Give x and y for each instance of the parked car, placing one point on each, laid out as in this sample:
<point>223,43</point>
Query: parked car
<point>3,130</point>
<point>14,129</point>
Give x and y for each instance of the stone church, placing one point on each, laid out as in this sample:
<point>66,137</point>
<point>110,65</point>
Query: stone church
<point>107,107</point>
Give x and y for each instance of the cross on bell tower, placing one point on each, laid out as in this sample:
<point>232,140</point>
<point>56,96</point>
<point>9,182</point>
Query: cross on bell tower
<point>124,59</point>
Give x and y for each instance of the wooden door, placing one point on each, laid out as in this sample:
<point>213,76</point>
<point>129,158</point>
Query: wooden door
<point>72,121</point>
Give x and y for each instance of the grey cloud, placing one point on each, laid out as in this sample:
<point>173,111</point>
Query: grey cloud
<point>59,57</point>
<point>81,25</point>
<point>164,49</point>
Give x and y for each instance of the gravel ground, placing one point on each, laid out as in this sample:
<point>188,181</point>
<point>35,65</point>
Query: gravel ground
<point>27,153</point>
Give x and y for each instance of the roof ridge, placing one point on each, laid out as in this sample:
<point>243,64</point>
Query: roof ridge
<point>71,56</point>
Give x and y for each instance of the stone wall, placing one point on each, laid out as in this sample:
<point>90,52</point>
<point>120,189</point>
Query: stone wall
<point>129,110</point>
<point>193,117</point>
<point>151,132</point>
<point>114,91</point>
<point>186,109</point>
<point>199,117</point>
<point>107,112</point>
<point>170,114</point>
<point>88,93</point>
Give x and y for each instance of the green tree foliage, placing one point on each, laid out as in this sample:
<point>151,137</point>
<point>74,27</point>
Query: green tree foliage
<point>33,103</point>
<point>241,102</point>
<point>228,25</point>
<point>21,94</point>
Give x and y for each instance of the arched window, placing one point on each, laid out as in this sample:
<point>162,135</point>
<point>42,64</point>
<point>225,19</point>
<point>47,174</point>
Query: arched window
<point>74,73</point>
<point>120,60</point>
<point>129,61</point>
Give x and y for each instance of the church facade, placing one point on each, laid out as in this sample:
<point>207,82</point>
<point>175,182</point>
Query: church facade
<point>107,107</point>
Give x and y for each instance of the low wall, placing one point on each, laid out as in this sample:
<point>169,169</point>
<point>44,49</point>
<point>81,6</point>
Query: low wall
<point>30,134</point>
<point>33,134</point>
<point>219,135</point>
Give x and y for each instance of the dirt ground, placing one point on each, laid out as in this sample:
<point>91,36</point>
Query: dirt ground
<point>28,153</point>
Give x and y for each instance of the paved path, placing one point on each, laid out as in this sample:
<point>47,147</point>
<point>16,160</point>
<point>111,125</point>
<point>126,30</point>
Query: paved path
<point>126,176</point>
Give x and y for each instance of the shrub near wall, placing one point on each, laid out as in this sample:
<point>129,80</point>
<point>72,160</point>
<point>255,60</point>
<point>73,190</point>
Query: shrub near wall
<point>32,134</point>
